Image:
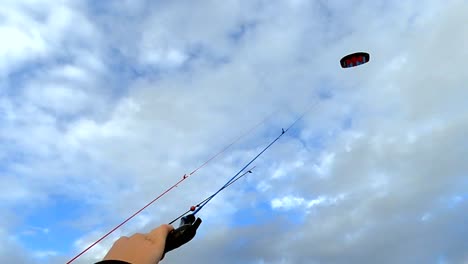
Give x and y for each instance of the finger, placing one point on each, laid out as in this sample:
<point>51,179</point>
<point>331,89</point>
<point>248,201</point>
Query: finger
<point>197,223</point>
<point>158,235</point>
<point>138,235</point>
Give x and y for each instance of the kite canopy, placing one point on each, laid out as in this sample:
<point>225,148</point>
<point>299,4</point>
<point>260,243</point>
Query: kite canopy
<point>354,59</point>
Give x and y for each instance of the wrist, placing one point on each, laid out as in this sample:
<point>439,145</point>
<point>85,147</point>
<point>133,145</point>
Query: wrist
<point>112,262</point>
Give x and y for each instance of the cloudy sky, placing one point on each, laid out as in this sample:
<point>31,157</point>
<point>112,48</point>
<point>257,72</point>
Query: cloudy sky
<point>105,104</point>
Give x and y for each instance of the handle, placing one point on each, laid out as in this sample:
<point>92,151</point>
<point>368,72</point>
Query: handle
<point>183,234</point>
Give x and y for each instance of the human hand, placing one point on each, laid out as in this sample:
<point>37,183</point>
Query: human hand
<point>141,248</point>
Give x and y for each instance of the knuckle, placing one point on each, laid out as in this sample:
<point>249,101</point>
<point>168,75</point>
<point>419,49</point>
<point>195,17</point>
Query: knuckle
<point>122,238</point>
<point>139,235</point>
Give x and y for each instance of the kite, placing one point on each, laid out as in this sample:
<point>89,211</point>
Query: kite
<point>354,59</point>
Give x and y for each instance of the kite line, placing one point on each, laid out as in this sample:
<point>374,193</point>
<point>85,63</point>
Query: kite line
<point>235,177</point>
<point>199,206</point>
<point>184,177</point>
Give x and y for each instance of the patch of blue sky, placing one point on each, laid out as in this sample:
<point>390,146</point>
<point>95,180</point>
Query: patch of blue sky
<point>238,33</point>
<point>27,74</point>
<point>121,69</point>
<point>324,92</point>
<point>334,30</point>
<point>294,217</point>
<point>442,259</point>
<point>320,139</point>
<point>239,243</point>
<point>347,123</point>
<point>60,216</point>
<point>100,8</point>
<point>455,200</point>
<point>261,213</point>
<point>325,10</point>
<point>457,197</point>
<point>53,217</point>
<point>21,75</point>
<point>131,10</point>
<point>122,73</point>
<point>204,52</point>
<point>252,215</point>
<point>194,55</point>
<point>15,157</point>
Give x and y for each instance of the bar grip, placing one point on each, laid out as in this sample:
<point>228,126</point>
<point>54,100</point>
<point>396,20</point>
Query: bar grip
<point>183,234</point>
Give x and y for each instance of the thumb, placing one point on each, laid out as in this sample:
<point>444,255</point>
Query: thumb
<point>159,234</point>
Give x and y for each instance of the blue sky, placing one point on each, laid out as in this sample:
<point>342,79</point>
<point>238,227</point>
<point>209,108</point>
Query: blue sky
<point>105,104</point>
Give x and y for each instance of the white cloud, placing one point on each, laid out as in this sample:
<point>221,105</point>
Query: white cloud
<point>103,113</point>
<point>316,202</point>
<point>287,202</point>
<point>426,217</point>
<point>58,98</point>
<point>278,173</point>
<point>141,223</point>
<point>325,163</point>
<point>263,186</point>
<point>164,58</point>
<point>10,250</point>
<point>45,254</point>
<point>38,29</point>
<point>15,192</point>
<point>292,202</point>
<point>33,230</point>
<point>20,44</point>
